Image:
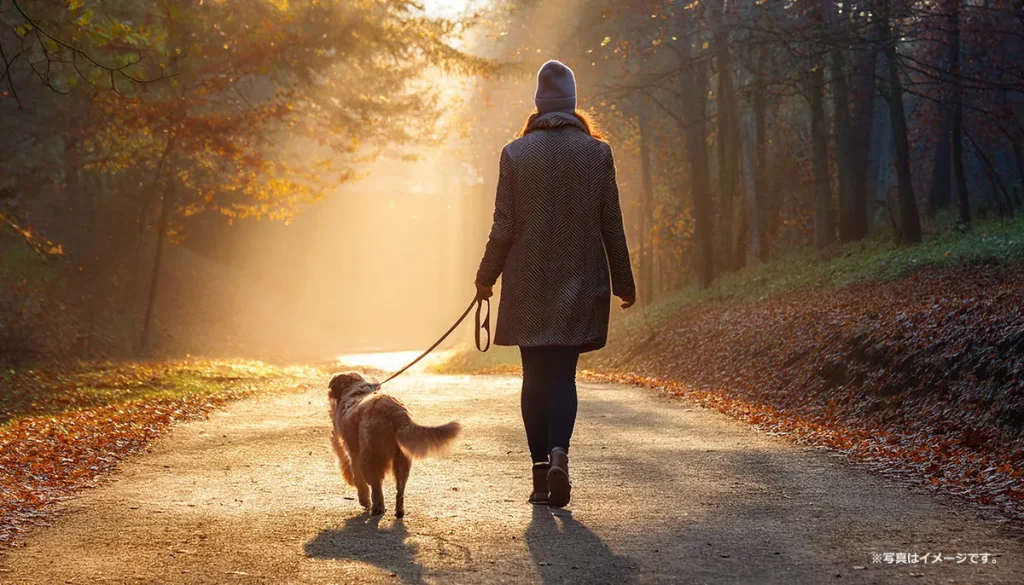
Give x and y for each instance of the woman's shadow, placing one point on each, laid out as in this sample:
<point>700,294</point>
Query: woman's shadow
<point>565,550</point>
<point>362,539</point>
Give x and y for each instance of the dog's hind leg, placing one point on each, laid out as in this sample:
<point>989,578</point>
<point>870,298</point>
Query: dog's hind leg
<point>377,497</point>
<point>360,482</point>
<point>401,466</point>
<point>373,474</point>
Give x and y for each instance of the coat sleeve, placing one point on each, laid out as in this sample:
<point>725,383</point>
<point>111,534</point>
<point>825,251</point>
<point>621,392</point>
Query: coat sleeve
<point>614,234</point>
<point>502,232</point>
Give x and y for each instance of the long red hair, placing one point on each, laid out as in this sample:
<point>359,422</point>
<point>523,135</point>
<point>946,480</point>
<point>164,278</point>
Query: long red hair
<point>588,122</point>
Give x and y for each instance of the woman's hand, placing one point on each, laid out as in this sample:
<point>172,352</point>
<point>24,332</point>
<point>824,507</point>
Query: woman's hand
<point>628,302</point>
<point>483,292</point>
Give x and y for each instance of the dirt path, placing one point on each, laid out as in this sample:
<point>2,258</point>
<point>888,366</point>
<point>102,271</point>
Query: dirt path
<point>664,493</point>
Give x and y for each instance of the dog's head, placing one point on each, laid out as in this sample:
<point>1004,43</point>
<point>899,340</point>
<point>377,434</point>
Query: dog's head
<point>343,385</point>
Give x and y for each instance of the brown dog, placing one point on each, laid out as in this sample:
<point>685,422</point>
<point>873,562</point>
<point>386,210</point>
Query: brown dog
<point>374,433</point>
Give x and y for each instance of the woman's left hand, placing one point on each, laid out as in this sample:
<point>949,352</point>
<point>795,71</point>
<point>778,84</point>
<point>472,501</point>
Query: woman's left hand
<point>483,292</point>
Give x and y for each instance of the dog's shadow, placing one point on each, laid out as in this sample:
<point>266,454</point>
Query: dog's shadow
<point>363,539</point>
<point>566,551</point>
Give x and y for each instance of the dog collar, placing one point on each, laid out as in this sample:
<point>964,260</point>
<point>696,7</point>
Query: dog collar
<point>368,388</point>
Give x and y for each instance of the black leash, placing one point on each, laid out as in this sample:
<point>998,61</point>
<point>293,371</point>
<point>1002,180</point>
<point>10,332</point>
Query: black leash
<point>485,327</point>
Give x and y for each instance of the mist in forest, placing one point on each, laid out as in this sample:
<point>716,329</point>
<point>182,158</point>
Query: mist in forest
<point>387,262</point>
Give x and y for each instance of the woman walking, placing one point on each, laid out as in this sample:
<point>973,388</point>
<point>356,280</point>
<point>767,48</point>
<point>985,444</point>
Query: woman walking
<point>556,239</point>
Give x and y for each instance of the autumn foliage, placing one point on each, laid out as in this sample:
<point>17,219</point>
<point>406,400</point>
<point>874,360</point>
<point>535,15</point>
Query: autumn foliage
<point>136,126</point>
<point>62,428</point>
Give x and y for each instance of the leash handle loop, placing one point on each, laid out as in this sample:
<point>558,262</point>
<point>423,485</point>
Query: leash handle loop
<point>479,302</point>
<point>486,326</point>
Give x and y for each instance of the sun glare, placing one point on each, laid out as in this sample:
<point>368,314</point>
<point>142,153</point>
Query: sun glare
<point>391,361</point>
<point>447,8</point>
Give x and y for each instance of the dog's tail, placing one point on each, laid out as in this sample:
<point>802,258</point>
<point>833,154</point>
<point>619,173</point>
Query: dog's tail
<point>419,441</point>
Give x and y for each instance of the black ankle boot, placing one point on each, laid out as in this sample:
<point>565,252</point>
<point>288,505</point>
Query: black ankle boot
<point>558,478</point>
<point>540,484</point>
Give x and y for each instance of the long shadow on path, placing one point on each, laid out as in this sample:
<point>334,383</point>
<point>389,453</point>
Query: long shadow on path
<point>566,551</point>
<point>362,539</point>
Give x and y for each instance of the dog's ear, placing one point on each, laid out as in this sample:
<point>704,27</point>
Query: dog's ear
<point>341,382</point>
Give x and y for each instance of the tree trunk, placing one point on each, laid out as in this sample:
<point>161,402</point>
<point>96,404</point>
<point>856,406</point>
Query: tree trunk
<point>910,219</point>
<point>824,228</point>
<point>739,217</point>
<point>750,187</point>
<point>958,115</point>
<point>166,201</point>
<point>761,159</point>
<point>142,221</point>
<point>726,139</point>
<point>73,193</point>
<point>941,194</point>
<point>999,193</point>
<point>862,117</point>
<point>647,210</point>
<point>880,165</point>
<point>695,91</point>
<point>958,164</point>
<point>1018,155</point>
<point>852,221</point>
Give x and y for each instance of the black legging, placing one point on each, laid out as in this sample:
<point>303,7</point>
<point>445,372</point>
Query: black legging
<point>549,397</point>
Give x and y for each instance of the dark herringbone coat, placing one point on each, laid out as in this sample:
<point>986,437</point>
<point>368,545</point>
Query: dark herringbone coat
<point>557,230</point>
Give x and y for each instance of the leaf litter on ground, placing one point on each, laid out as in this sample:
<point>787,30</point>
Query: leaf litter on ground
<point>64,426</point>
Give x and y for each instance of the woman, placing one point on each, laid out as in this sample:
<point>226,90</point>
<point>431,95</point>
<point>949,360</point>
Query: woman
<point>556,237</point>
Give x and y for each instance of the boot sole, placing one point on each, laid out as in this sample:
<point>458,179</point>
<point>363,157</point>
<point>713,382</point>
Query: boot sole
<point>558,484</point>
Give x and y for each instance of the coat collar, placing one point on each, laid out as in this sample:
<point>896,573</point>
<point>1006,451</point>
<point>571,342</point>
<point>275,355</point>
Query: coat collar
<point>556,120</point>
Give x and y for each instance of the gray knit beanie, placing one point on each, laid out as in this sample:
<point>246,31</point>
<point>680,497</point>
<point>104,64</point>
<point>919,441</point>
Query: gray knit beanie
<point>556,88</point>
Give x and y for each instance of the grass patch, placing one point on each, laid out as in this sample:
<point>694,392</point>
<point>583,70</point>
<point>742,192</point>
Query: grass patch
<point>468,359</point>
<point>875,258</point>
<point>56,390</point>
